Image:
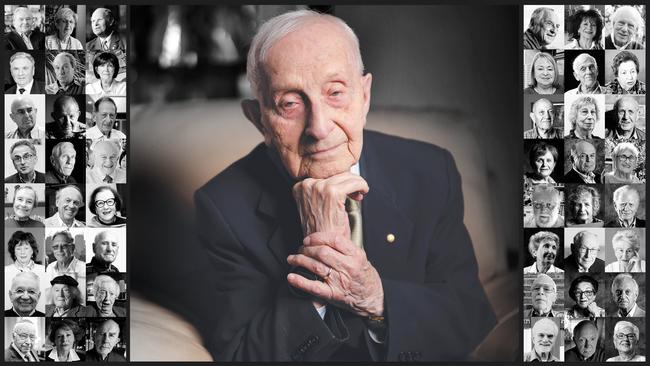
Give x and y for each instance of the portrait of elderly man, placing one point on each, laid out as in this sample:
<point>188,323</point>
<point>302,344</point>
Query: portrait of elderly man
<point>584,248</point>
<point>624,162</point>
<point>582,118</point>
<point>106,290</point>
<point>544,75</point>
<point>626,245</point>
<point>626,341</point>
<point>543,294</point>
<point>105,167</point>
<point>65,21</point>
<point>104,27</point>
<point>544,334</point>
<point>65,124</point>
<point>583,204</point>
<point>24,293</point>
<point>584,158</point>
<point>583,291</point>
<point>626,75</point>
<point>105,338</point>
<point>545,200</point>
<point>542,115</point>
<point>24,200</point>
<point>543,27</point>
<point>63,248</point>
<point>585,71</point>
<point>627,114</point>
<point>299,278</point>
<point>626,204</point>
<point>625,291</point>
<point>64,334</point>
<point>626,23</point>
<point>104,117</point>
<point>68,200</point>
<point>66,298</point>
<point>21,67</point>
<point>23,340</point>
<point>585,338</point>
<point>23,35</point>
<point>24,158</point>
<point>62,162</point>
<point>24,115</point>
<point>106,246</point>
<point>64,68</point>
<point>586,30</point>
<point>543,246</point>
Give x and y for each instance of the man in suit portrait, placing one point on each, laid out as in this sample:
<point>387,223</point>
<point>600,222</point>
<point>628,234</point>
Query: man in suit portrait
<point>584,254</point>
<point>24,294</point>
<point>21,67</point>
<point>63,159</point>
<point>625,291</point>
<point>106,291</point>
<point>106,336</point>
<point>626,204</point>
<point>583,159</point>
<point>23,339</point>
<point>104,27</point>
<point>23,35</point>
<point>543,294</point>
<point>331,242</point>
<point>24,157</point>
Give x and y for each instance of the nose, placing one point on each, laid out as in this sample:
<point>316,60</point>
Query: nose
<point>319,125</point>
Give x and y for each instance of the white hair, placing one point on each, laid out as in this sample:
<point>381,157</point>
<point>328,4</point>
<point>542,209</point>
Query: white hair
<point>624,189</point>
<point>624,324</point>
<point>101,279</point>
<point>280,26</point>
<point>629,11</point>
<point>620,278</point>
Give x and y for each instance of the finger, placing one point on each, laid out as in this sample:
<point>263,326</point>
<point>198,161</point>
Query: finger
<point>326,255</point>
<point>336,241</point>
<point>314,266</point>
<point>316,288</point>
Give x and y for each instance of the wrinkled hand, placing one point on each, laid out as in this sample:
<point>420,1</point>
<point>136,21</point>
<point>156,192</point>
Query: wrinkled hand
<point>633,264</point>
<point>594,309</point>
<point>353,282</point>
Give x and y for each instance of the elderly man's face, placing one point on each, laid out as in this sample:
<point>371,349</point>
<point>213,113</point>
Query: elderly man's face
<point>62,249</point>
<point>63,69</point>
<point>22,71</point>
<point>546,252</point>
<point>314,102</point>
<point>543,115</point>
<point>545,208</point>
<point>587,250</point>
<point>69,202</point>
<point>586,118</point>
<point>22,21</point>
<point>65,26</point>
<point>24,294</point>
<point>543,294</point>
<point>585,157</point>
<point>106,155</point>
<point>105,116</point>
<point>24,159</point>
<point>584,294</point>
<point>626,205</point>
<point>625,293</point>
<point>62,296</point>
<point>105,297</point>
<point>625,340</point>
<point>586,73</point>
<point>544,337</point>
<point>586,339</point>
<point>550,27</point>
<point>67,114</point>
<point>628,110</point>
<point>100,22</point>
<point>24,201</point>
<point>64,339</point>
<point>64,162</point>
<point>106,245</point>
<point>624,29</point>
<point>23,113</point>
<point>106,337</point>
<point>24,337</point>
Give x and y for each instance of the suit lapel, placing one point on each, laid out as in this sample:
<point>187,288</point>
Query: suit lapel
<point>284,224</point>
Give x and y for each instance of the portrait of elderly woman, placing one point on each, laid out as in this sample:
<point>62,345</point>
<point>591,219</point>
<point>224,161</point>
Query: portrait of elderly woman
<point>626,338</point>
<point>624,163</point>
<point>582,206</point>
<point>65,21</point>
<point>585,117</point>
<point>67,298</point>
<point>24,251</point>
<point>105,67</point>
<point>105,204</point>
<point>583,292</point>
<point>25,199</point>
<point>542,160</point>
<point>544,75</point>
<point>585,29</point>
<point>626,70</point>
<point>64,335</point>
<point>626,246</point>
<point>625,31</point>
<point>545,248</point>
<point>543,27</point>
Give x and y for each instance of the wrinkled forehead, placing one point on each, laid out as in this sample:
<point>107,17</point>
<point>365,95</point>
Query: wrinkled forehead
<point>544,280</point>
<point>545,326</point>
<point>627,15</point>
<point>25,328</point>
<point>106,236</point>
<point>628,103</point>
<point>21,104</point>
<point>625,283</point>
<point>585,147</point>
<point>542,104</point>
<point>62,59</point>
<point>22,13</point>
<point>69,192</point>
<point>583,60</point>
<point>21,61</point>
<point>100,13</point>
<point>588,329</point>
<point>628,196</point>
<point>109,326</point>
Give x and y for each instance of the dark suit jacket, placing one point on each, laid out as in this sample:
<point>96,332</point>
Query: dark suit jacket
<point>93,355</point>
<point>40,178</point>
<point>11,355</point>
<point>435,306</point>
<point>15,42</point>
<point>75,312</point>
<point>571,265</point>
<point>117,43</point>
<point>615,223</point>
<point>11,312</point>
<point>573,177</point>
<point>38,87</point>
<point>93,311</point>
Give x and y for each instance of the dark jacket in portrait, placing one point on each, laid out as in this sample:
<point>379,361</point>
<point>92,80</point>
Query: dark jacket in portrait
<point>53,131</point>
<point>117,42</point>
<point>435,306</point>
<point>12,312</point>
<point>78,311</point>
<point>38,87</point>
<point>573,177</point>
<point>572,355</point>
<point>93,311</point>
<point>15,41</point>
<point>571,265</point>
<point>615,223</point>
<point>97,266</point>
<point>53,178</point>
<point>94,356</point>
<point>40,178</point>
<point>11,355</point>
<point>634,45</point>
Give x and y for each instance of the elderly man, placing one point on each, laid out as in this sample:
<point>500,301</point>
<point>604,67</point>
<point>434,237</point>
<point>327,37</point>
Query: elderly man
<point>105,246</point>
<point>584,254</point>
<point>627,112</point>
<point>23,36</point>
<point>543,294</point>
<point>106,336</point>
<point>583,159</point>
<point>24,157</point>
<point>542,117</point>
<point>68,201</point>
<point>294,203</point>
<point>543,246</point>
<point>105,166</point>
<point>63,158</point>
<point>625,291</point>
<point>66,298</point>
<point>24,294</point>
<point>585,71</point>
<point>543,27</point>
<point>23,114</point>
<point>583,116</point>
<point>64,72</point>
<point>22,344</point>
<point>546,207</point>
<point>626,341</point>
<point>626,204</point>
<point>585,337</point>
<point>104,27</point>
<point>626,22</point>
<point>66,263</point>
<point>104,117</point>
<point>544,335</point>
<point>106,291</point>
<point>65,125</point>
<point>21,66</point>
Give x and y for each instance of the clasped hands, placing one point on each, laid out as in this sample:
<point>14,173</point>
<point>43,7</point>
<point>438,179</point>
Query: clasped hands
<point>349,280</point>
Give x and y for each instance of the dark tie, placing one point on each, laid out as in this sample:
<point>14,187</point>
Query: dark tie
<point>108,179</point>
<point>21,90</point>
<point>353,209</point>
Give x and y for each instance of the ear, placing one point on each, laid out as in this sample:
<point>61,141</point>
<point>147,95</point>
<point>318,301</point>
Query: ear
<point>251,109</point>
<point>532,118</point>
<point>575,75</point>
<point>366,84</point>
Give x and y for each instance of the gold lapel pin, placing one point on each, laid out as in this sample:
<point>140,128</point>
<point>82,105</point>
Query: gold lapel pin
<point>390,238</point>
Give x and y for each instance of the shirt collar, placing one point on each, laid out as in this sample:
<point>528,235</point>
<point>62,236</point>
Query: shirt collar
<point>28,88</point>
<point>632,224</point>
<point>634,135</point>
<point>632,311</point>
<point>71,357</point>
<point>589,178</point>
